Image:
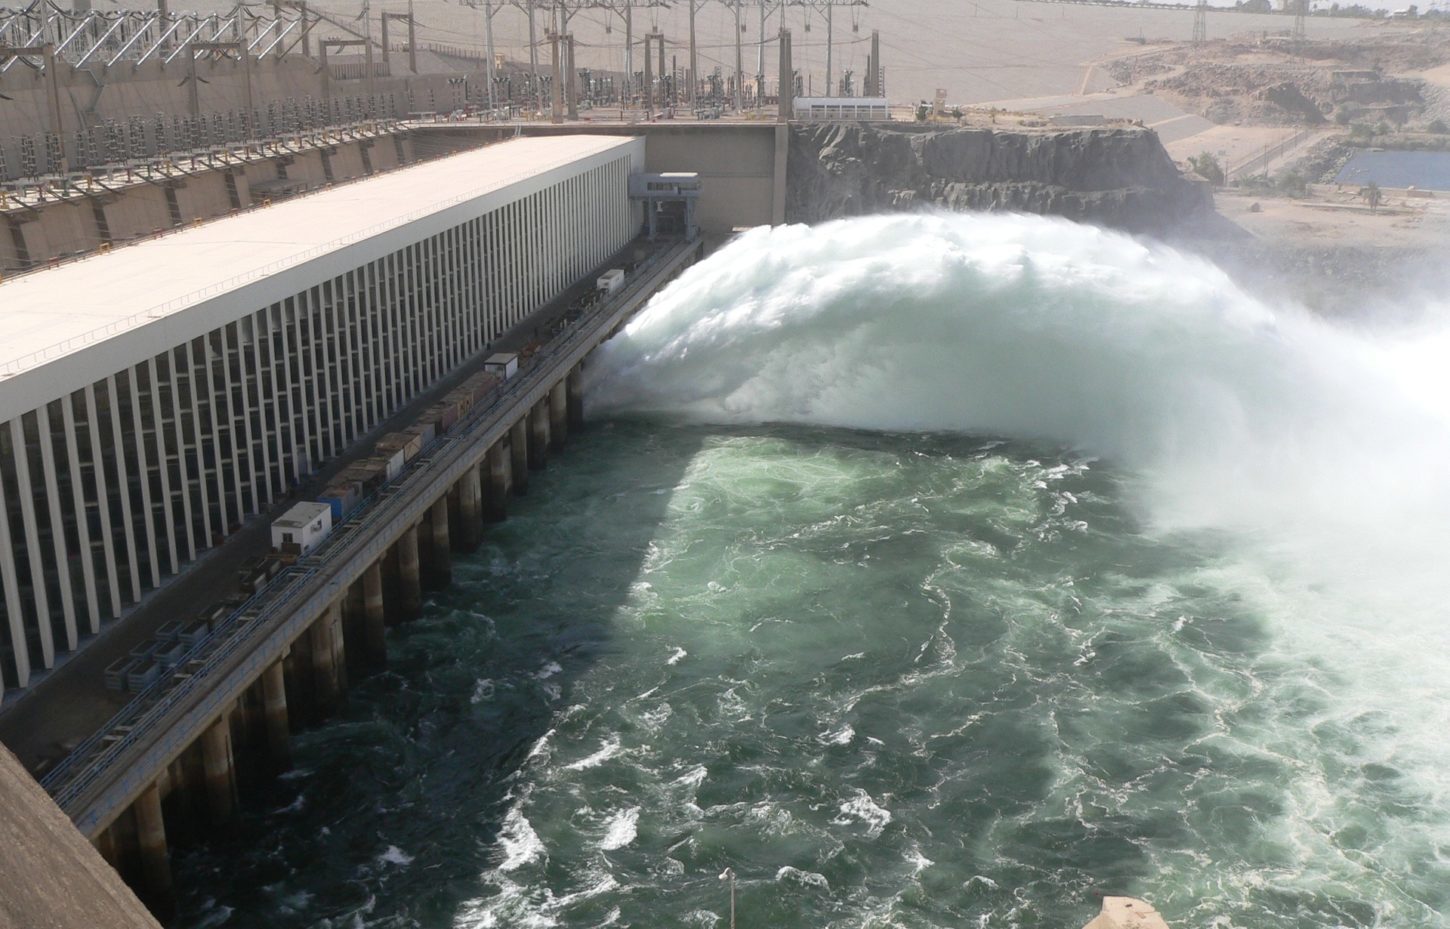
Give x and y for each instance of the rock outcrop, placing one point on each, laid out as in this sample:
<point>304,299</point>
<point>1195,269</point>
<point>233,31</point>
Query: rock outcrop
<point>1119,177</point>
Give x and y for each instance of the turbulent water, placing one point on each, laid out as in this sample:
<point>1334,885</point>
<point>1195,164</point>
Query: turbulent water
<point>925,572</point>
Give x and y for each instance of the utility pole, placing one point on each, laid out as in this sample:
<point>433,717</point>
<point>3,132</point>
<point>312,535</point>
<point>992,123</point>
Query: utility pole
<point>571,83</point>
<point>760,63</point>
<point>556,109</point>
<point>534,59</point>
<point>627,93</point>
<point>1300,26</point>
<point>786,108</point>
<point>739,62</point>
<point>694,72</point>
<point>830,46</point>
<point>1200,23</point>
<point>874,75</point>
<point>368,52</point>
<point>412,40</point>
<point>488,45</point>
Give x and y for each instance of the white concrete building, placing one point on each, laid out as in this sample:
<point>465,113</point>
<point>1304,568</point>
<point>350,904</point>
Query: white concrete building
<point>153,398</point>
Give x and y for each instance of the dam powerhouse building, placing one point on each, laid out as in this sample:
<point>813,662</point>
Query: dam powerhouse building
<point>155,397</point>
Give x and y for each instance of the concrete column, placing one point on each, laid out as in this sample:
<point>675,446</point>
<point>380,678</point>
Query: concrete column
<point>496,500</point>
<point>519,455</point>
<point>375,642</point>
<point>274,708</point>
<point>786,105</point>
<point>216,757</point>
<point>539,436</point>
<point>410,587</point>
<point>157,888</point>
<point>559,413</point>
<point>470,510</point>
<point>575,390</point>
<point>440,561</point>
<point>326,684</point>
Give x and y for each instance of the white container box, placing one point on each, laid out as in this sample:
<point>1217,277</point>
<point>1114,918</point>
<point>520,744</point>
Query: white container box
<point>503,365</point>
<point>305,525</point>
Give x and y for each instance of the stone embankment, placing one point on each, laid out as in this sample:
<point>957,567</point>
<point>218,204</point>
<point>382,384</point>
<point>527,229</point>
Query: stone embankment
<point>1118,177</point>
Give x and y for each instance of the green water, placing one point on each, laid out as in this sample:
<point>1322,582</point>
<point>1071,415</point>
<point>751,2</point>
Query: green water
<point>889,680</point>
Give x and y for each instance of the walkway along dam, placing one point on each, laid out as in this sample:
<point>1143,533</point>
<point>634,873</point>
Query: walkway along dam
<point>151,414</point>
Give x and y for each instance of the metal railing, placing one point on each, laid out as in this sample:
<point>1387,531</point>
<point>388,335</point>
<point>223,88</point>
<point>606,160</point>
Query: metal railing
<point>1264,158</point>
<point>238,646</point>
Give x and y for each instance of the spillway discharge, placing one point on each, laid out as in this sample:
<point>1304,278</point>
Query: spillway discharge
<point>1317,451</point>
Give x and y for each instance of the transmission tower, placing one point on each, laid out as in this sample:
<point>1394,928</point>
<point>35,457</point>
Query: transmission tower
<point>1200,23</point>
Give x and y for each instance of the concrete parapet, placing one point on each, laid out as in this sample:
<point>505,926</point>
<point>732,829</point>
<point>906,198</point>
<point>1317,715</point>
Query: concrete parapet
<point>1127,913</point>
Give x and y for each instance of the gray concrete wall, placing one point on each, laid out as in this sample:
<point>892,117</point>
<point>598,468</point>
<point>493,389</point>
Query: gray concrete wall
<point>741,165</point>
<point>62,228</point>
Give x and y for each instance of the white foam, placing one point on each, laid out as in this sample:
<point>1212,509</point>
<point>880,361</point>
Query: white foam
<point>862,807</point>
<point>676,656</point>
<point>789,875</point>
<point>519,841</point>
<point>608,750</point>
<point>622,829</point>
<point>395,856</point>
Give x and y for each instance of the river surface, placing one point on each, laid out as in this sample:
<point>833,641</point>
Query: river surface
<point>1127,585</point>
<point>1426,170</point>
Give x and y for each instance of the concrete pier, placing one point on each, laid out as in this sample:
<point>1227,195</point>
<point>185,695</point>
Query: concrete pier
<point>221,783</point>
<point>519,453</point>
<point>539,436</point>
<point>410,585</point>
<point>559,414</point>
<point>279,728</point>
<point>500,475</point>
<point>156,889</point>
<point>326,674</point>
<point>375,617</point>
<point>440,552</point>
<point>470,511</point>
<point>575,389</point>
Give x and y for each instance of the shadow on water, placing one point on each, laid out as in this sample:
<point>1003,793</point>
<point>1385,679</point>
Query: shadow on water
<point>415,774</point>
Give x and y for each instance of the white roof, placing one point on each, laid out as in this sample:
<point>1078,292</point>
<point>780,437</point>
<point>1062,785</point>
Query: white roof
<point>302,514</point>
<point>51,314</point>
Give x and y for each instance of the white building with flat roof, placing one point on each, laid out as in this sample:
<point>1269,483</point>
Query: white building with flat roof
<point>154,397</point>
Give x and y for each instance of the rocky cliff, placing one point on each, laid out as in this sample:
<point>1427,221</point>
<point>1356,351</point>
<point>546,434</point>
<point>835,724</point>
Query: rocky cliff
<point>1119,177</point>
